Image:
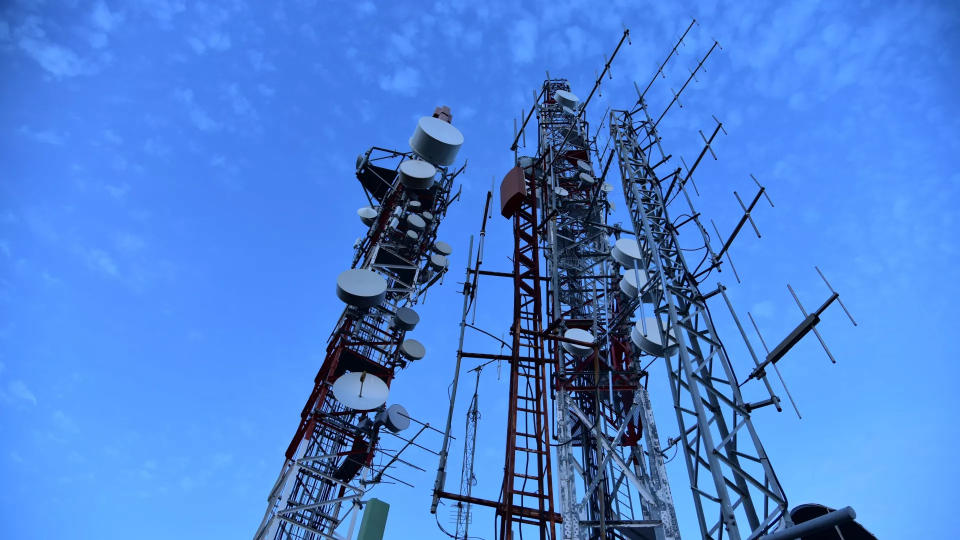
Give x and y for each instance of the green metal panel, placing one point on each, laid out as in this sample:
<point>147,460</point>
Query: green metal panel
<point>374,520</point>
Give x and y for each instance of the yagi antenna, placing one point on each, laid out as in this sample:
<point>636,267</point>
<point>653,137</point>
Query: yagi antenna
<point>806,326</point>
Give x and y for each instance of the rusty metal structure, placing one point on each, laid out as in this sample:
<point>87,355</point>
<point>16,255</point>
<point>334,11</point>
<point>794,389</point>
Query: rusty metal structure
<point>330,462</point>
<point>594,306</point>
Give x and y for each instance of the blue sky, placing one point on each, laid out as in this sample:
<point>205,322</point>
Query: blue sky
<point>177,199</point>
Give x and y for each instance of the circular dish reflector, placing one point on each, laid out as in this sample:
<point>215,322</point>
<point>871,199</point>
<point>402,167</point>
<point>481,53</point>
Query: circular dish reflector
<point>367,215</point>
<point>416,222</point>
<point>395,418</point>
<point>442,248</point>
<point>438,261</point>
<point>416,174</point>
<point>566,99</point>
<point>436,141</point>
<point>406,318</point>
<point>625,251</point>
<point>578,334</point>
<point>361,391</point>
<point>361,288</point>
<point>412,349</point>
<point>413,206</point>
<point>650,341</point>
<point>587,178</point>
<point>584,166</point>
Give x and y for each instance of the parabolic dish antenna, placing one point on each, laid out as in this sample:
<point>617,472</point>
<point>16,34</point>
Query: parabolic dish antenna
<point>361,391</point>
<point>442,248</point>
<point>625,251</point>
<point>361,288</point>
<point>439,262</point>
<point>630,287</point>
<point>395,417</point>
<point>406,318</point>
<point>649,340</point>
<point>436,141</point>
<point>367,215</point>
<point>416,222</point>
<point>427,216</point>
<point>578,334</point>
<point>587,178</point>
<point>566,99</point>
<point>584,166</point>
<point>416,174</point>
<point>413,206</point>
<point>412,349</point>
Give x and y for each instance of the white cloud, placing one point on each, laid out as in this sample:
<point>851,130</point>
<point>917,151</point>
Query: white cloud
<point>57,60</point>
<point>156,148</point>
<point>117,192</point>
<point>45,136</point>
<point>198,115</point>
<point>105,19</point>
<point>101,261</point>
<point>129,242</point>
<point>64,422</point>
<point>112,137</point>
<point>240,104</point>
<point>523,40</point>
<point>18,390</point>
<point>404,81</point>
<point>164,10</point>
<point>214,41</point>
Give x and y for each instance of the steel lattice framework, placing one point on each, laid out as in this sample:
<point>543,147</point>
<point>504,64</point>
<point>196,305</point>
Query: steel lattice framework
<point>590,314</point>
<point>330,463</point>
<point>730,474</point>
<point>610,485</point>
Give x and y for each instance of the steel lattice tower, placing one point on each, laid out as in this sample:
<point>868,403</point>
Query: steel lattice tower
<point>594,305</point>
<point>330,463</point>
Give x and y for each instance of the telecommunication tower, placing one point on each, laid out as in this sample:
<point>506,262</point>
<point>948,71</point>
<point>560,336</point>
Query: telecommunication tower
<point>594,305</point>
<point>330,463</point>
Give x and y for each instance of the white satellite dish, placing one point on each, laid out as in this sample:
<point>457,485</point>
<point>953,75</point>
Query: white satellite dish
<point>395,418</point>
<point>361,288</point>
<point>416,222</point>
<point>578,334</point>
<point>439,262</point>
<point>436,141</point>
<point>584,166</point>
<point>630,286</point>
<point>412,349</point>
<point>416,174</point>
<point>360,391</point>
<point>442,248</point>
<point>368,215</point>
<point>650,340</point>
<point>625,251</point>
<point>587,178</point>
<point>566,99</point>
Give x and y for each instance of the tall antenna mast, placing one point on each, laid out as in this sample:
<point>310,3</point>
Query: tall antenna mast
<point>594,306</point>
<point>329,464</point>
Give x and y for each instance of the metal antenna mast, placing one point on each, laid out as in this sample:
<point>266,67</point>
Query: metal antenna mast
<point>329,464</point>
<point>591,313</point>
